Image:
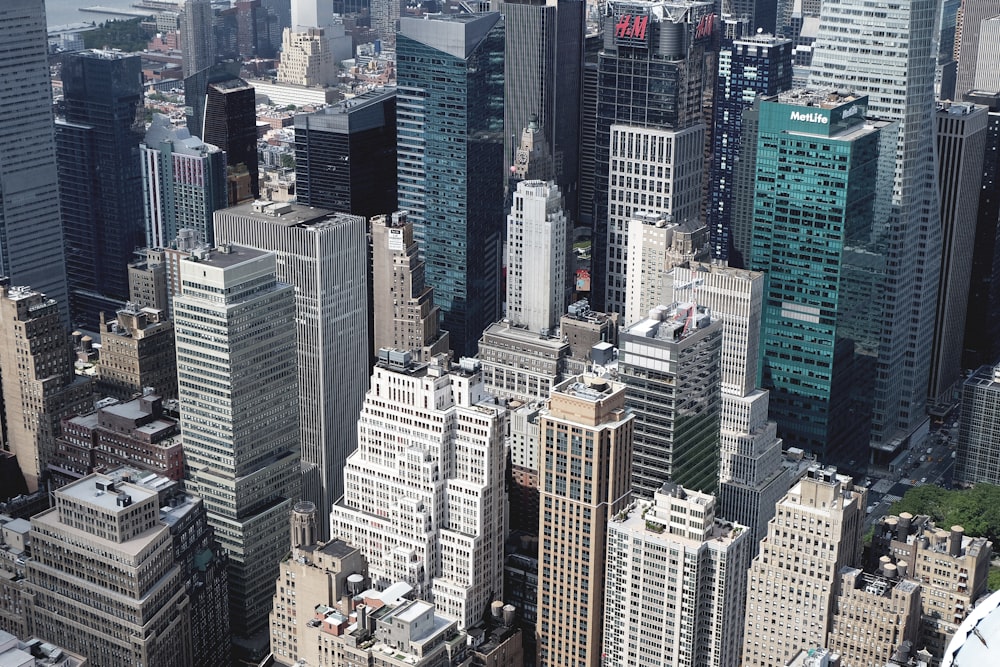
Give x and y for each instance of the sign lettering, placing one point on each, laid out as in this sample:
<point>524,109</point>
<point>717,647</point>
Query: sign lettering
<point>632,26</point>
<point>705,26</point>
<point>852,111</point>
<point>810,117</point>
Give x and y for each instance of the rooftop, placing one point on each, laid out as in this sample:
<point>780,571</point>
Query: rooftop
<point>671,323</point>
<point>103,491</point>
<point>280,213</point>
<point>824,98</point>
<point>226,256</point>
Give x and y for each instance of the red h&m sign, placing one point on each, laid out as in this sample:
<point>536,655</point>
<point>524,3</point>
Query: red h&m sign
<point>704,27</point>
<point>633,26</point>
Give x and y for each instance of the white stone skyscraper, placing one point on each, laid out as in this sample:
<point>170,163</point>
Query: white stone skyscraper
<point>899,83</point>
<point>675,585</point>
<point>324,256</point>
<point>237,384</point>
<point>792,582</point>
<point>752,477</point>
<point>536,256</point>
<point>424,495</point>
<point>31,236</point>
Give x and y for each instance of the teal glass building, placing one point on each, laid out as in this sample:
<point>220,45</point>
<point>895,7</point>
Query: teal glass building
<point>449,133</point>
<point>820,231</point>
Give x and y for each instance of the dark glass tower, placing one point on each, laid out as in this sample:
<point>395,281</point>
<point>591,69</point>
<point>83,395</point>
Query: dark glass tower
<point>820,231</point>
<point>345,156</point>
<point>450,161</point>
<point>759,65</point>
<point>542,78</point>
<point>31,240</point>
<point>231,124</point>
<point>100,178</point>
<point>651,73</point>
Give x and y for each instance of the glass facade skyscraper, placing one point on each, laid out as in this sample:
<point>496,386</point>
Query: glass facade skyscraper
<point>758,65</point>
<point>450,161</point>
<point>100,178</point>
<point>818,232</point>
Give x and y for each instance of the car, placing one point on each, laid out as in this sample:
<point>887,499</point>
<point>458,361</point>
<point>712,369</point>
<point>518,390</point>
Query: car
<point>923,480</point>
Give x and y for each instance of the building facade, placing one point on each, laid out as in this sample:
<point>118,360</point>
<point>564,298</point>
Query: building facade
<point>238,394</point>
<point>345,155</point>
<point>31,235</point>
<point>428,508</point>
<point>197,36</point>
<point>676,581</point>
<point>137,353</point>
<point>183,183</point>
<point>450,162</point>
<point>306,59</point>
<point>669,363</point>
<point>585,437</point>
<point>749,66</point>
<point>38,380</point>
<point>822,344</point>
<point>405,316</point>
<point>791,584</point>
<point>977,455</point>
<point>537,230</point>
<point>100,178</point>
<point>324,256</point>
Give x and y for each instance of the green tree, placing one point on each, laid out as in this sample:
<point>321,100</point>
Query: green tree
<point>976,509</point>
<point>288,161</point>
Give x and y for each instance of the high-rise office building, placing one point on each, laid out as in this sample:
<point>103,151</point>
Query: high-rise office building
<point>669,364</point>
<point>988,56</point>
<point>405,317</point>
<point>821,345</point>
<point>134,586</point>
<point>385,21</point>
<point>651,74</point>
<point>238,391</point>
<point>899,83</point>
<point>970,41</point>
<point>31,236</point>
<point>752,476</point>
<point>184,182</point>
<point>653,171</point>
<point>982,323</point>
<point>961,144</point>
<point>325,257</point>
<point>450,161</point>
<point>748,67</point>
<point>585,451</point>
<point>429,512</point>
<point>345,155</point>
<point>977,457</point>
<point>656,245</point>
<point>100,178</point>
<point>39,384</point>
<point>311,13</point>
<point>542,80</point>
<point>536,256</point>
<point>791,585</point>
<point>198,39</point>
<point>676,583</point>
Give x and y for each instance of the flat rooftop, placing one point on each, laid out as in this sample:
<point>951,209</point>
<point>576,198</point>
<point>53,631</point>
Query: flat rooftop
<point>87,491</point>
<point>223,260</point>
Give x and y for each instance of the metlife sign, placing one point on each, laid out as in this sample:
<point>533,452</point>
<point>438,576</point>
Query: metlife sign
<point>801,116</point>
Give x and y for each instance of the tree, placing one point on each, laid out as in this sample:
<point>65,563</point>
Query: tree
<point>287,161</point>
<point>976,509</point>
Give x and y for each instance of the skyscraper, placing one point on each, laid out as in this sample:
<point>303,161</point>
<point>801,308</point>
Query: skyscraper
<point>31,236</point>
<point>961,143</point>
<point>676,583</point>
<point>543,75</point>
<point>669,365</point>
<point>974,12</point>
<point>198,40</point>
<point>230,122</point>
<point>752,475</point>
<point>184,182</point>
<point>651,75</point>
<point>306,59</point>
<point>429,511</point>
<point>585,451</point>
<point>236,371</point>
<point>791,585</point>
<point>976,458</point>
<point>536,256</point>
<point>818,232</point>
<point>405,316</point>
<point>324,256</point>
<point>100,178</point>
<point>38,381</point>
<point>748,67</point>
<point>899,83</point>
<point>450,161</point>
<point>345,155</point>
